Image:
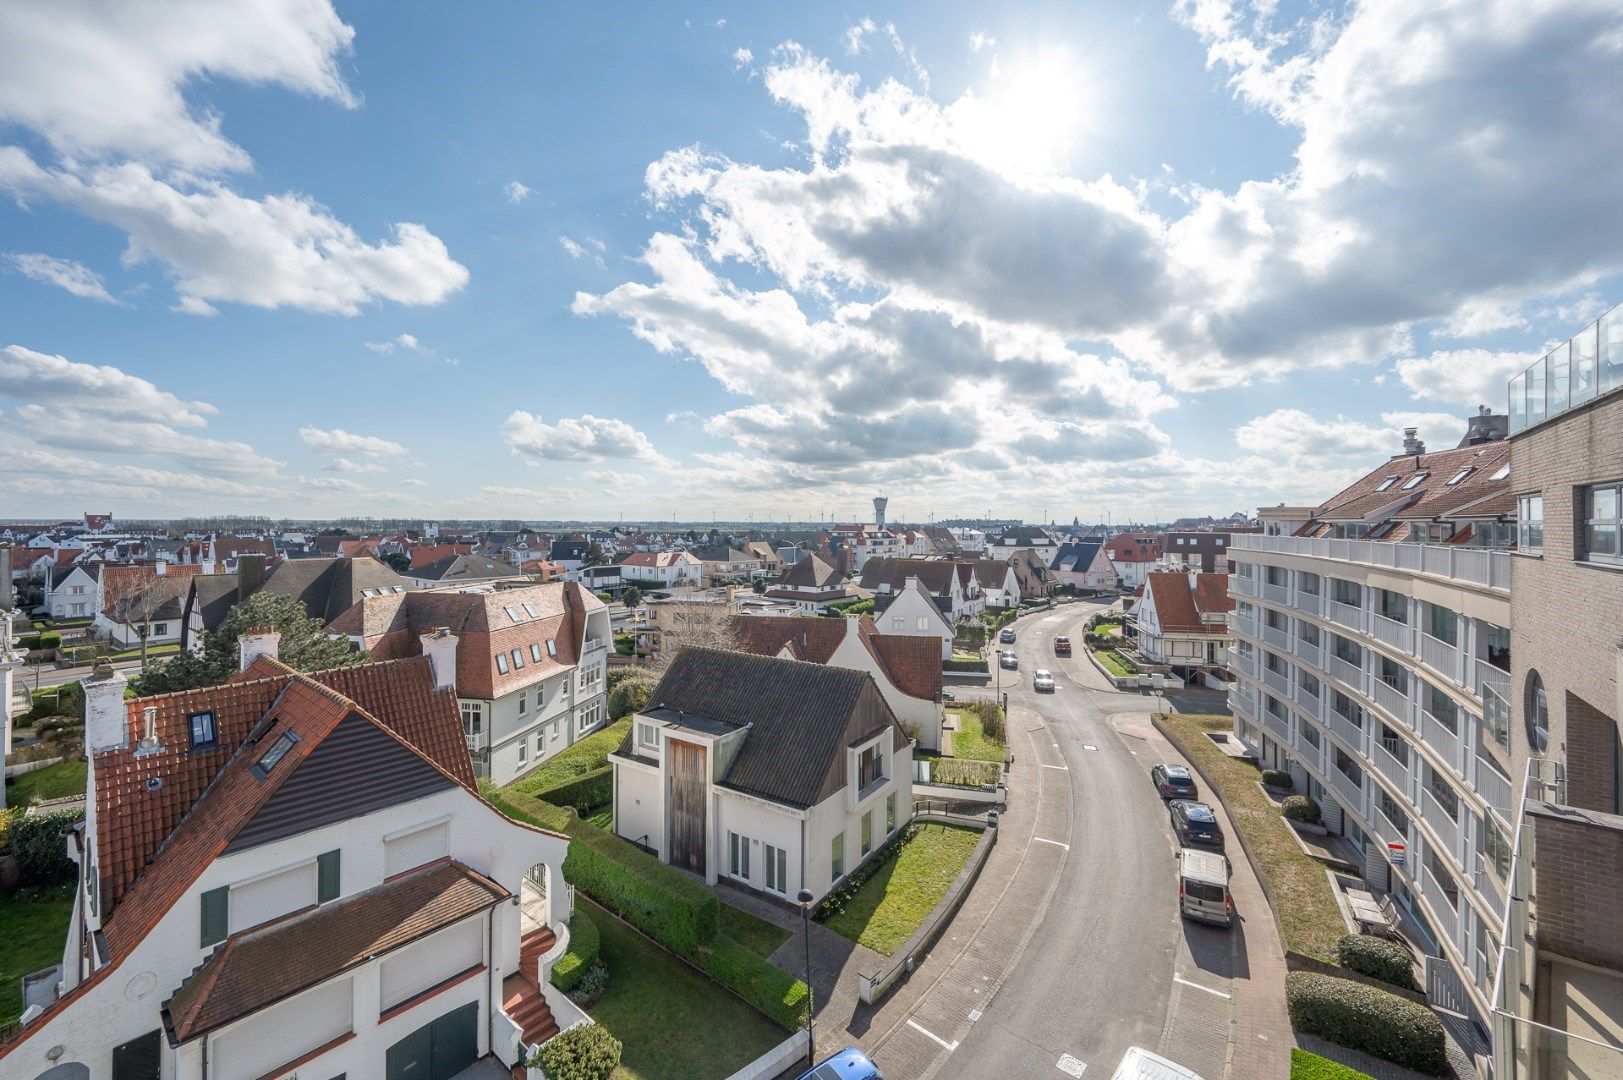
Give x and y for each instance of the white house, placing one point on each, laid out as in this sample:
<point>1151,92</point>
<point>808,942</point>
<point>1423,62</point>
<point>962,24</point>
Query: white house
<point>1022,538</point>
<point>907,669</point>
<point>955,585</point>
<point>661,568</point>
<point>529,663</point>
<point>912,611</point>
<point>810,584</point>
<point>233,920</point>
<point>777,775</point>
<point>1133,555</point>
<point>73,591</point>
<point>1084,564</point>
<point>1183,619</point>
<point>999,585</point>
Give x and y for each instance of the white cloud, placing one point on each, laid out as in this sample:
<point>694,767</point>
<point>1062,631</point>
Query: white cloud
<point>591,249</point>
<point>350,466</point>
<point>340,442</point>
<point>41,378</point>
<point>75,277</point>
<point>742,58</point>
<point>517,192</point>
<point>1298,439</point>
<point>331,484</point>
<point>36,474</point>
<point>413,481</point>
<point>856,34</point>
<point>1462,376</point>
<point>584,438</point>
<point>979,40</point>
<point>408,343</point>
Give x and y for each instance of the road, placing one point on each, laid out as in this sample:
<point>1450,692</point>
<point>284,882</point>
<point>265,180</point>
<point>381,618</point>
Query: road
<point>1110,964</point>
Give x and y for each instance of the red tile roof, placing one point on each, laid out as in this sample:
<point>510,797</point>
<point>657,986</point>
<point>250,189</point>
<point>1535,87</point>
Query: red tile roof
<point>1175,601</point>
<point>1134,547</point>
<point>1433,497</point>
<point>912,663</point>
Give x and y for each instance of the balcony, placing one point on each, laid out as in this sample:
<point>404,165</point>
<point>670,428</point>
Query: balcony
<point>1391,768</point>
<point>1349,673</point>
<point>1441,657</point>
<point>1489,569</point>
<point>1307,699</point>
<point>1239,624</point>
<point>1242,586</point>
<point>1345,730</point>
<point>1275,594</point>
<point>1398,635</point>
<point>1345,614</point>
<point>1434,733</point>
<point>1495,789</point>
<point>1310,602</point>
<point>1484,675</point>
<point>1308,651</point>
<point>1277,681</point>
<point>1443,909</point>
<point>1278,726</point>
<point>1276,636</point>
<point>1392,699</point>
<point>1442,823</point>
<point>1388,832</point>
<point>1588,364</point>
<point>1242,702</point>
<point>477,742</point>
<point>1246,665</point>
<point>1350,790</point>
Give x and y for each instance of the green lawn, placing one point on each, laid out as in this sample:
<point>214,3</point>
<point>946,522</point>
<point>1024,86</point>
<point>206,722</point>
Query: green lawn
<point>890,905</point>
<point>1107,628</point>
<point>1115,663</point>
<point>1306,1066</point>
<point>675,1024</point>
<point>36,930</point>
<point>971,742</point>
<point>53,782</point>
<point>757,935</point>
<point>1308,915</point>
<point>590,753</point>
<point>603,818</point>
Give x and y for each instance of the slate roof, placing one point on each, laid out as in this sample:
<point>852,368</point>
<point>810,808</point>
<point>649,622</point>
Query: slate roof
<point>257,968</point>
<point>798,714</point>
<point>465,568</point>
<point>60,572</point>
<point>1077,556</point>
<point>326,587</point>
<point>811,572</point>
<point>936,575</point>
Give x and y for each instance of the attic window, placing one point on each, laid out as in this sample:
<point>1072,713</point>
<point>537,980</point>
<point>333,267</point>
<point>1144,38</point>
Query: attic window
<point>518,659</point>
<point>529,609</point>
<point>1384,484</point>
<point>1414,481</point>
<point>1504,471</point>
<point>552,647</point>
<point>201,726</point>
<point>512,613</point>
<point>278,750</point>
<point>1461,475</point>
<point>535,652</point>
<point>368,592</point>
<point>501,663</point>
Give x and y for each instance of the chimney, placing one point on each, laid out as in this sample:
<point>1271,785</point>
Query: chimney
<point>106,723</point>
<point>258,641</point>
<point>440,648</point>
<point>250,575</point>
<point>149,730</point>
<point>1412,445</point>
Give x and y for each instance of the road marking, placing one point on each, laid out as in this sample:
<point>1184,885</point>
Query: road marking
<point>1056,843</point>
<point>1197,986</point>
<point>1090,746</point>
<point>933,1037</point>
<point>1070,1066</point>
<point>1064,768</point>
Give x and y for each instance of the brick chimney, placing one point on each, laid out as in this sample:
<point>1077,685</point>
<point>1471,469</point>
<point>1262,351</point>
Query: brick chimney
<point>106,723</point>
<point>257,642</point>
<point>440,648</point>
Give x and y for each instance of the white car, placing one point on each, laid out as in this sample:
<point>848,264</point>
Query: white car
<point>1140,1064</point>
<point>1043,680</point>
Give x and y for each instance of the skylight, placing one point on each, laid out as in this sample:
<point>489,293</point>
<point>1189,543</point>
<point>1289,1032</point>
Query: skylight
<point>278,750</point>
<point>1384,484</point>
<point>512,613</point>
<point>533,613</point>
<point>1504,471</point>
<point>1414,481</point>
<point>202,729</point>
<point>1461,475</point>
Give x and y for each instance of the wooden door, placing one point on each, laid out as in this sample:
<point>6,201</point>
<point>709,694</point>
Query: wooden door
<point>688,786</point>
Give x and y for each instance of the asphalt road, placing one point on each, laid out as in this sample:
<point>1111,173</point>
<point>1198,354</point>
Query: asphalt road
<point>1111,965</point>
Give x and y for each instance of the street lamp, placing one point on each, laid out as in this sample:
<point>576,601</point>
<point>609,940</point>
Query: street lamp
<point>805,897</point>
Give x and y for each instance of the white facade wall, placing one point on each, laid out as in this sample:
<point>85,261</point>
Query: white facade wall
<point>911,712</point>
<point>75,596</point>
<point>914,614</point>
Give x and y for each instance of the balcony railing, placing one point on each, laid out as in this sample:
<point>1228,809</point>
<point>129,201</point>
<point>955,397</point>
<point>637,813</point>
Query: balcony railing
<point>1391,699</point>
<point>1276,636</point>
<point>1351,791</point>
<point>1312,603</point>
<point>1437,735</point>
<point>1496,716</point>
<point>1391,768</point>
<point>1239,624</point>
<point>1345,614</point>
<point>1307,699</point>
<point>1242,702</point>
<point>1495,789</point>
<point>1474,566</point>
<point>1441,657</point>
<point>1444,909</point>
<point>1308,651</point>
<point>1434,814</point>
<point>1345,730</point>
<point>1349,673</point>
<point>1275,594</point>
<point>1241,586</point>
<point>1590,363</point>
<point>1277,681</point>
<point>1246,665</point>
<point>1485,675</point>
<point>1278,726</point>
<point>1396,634</point>
<point>1386,830</point>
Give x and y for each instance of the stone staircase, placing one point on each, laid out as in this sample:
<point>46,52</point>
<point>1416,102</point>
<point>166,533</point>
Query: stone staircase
<point>522,999</point>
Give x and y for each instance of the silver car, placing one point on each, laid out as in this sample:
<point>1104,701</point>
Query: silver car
<point>1009,660</point>
<point>1042,681</point>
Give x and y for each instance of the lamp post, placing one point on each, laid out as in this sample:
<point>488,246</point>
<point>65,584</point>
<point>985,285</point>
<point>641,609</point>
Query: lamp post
<point>805,897</point>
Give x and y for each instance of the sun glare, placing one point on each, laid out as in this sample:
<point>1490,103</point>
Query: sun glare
<point>1031,114</point>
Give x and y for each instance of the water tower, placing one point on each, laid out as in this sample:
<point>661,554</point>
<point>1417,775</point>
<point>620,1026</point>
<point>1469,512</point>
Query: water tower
<point>879,512</point>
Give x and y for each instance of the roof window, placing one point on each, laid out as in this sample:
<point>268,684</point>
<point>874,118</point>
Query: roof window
<point>535,652</point>
<point>512,613</point>
<point>1504,471</point>
<point>201,726</point>
<point>278,750</point>
<point>1414,481</point>
<point>518,659</point>
<point>1384,484</point>
<point>530,610</point>
<point>552,647</point>
<point>1461,475</point>
<point>501,663</point>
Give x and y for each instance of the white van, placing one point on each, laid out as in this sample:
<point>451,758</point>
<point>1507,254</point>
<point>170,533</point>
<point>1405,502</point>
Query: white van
<point>1203,887</point>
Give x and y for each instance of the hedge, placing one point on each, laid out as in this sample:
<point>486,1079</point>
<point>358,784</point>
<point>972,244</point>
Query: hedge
<point>1361,1017</point>
<point>587,755</point>
<point>577,960</point>
<point>773,991</point>
<point>1300,808</point>
<point>1377,957</point>
<point>964,665</point>
<point>587,1052</point>
<point>584,795</point>
<point>41,850</point>
<point>1277,778</point>
<point>630,696</point>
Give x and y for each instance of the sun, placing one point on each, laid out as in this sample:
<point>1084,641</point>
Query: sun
<point>1027,122</point>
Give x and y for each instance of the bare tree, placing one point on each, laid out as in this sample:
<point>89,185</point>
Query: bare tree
<point>138,598</point>
<point>685,623</point>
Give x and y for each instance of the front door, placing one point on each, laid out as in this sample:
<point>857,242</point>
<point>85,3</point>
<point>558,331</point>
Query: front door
<point>688,780</point>
<point>438,1050</point>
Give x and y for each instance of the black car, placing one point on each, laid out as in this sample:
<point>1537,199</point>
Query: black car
<point>1174,782</point>
<point>1194,824</point>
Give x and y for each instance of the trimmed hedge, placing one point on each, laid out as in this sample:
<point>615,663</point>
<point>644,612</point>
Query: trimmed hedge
<point>773,991</point>
<point>41,850</point>
<point>1378,958</point>
<point>1361,1017</point>
<point>1277,778</point>
<point>964,665</point>
<point>584,795</point>
<point>584,944</point>
<point>587,1052</point>
<point>1300,808</point>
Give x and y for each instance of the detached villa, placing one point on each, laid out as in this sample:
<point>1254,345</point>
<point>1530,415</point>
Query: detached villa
<point>774,774</point>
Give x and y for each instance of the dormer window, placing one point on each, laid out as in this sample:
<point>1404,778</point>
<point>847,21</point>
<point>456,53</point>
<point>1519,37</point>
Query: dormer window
<point>1386,483</point>
<point>1461,475</point>
<point>535,652</point>
<point>201,726</point>
<point>278,750</point>
<point>1414,481</point>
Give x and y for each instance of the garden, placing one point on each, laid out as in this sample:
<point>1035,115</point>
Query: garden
<point>889,897</point>
<point>36,916</point>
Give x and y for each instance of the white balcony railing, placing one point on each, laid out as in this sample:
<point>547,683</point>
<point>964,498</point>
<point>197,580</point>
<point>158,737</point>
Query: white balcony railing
<point>1239,624</point>
<point>1275,594</point>
<point>1442,823</point>
<point>1396,634</point>
<point>1307,699</point>
<point>1494,788</point>
<point>1485,675</point>
<point>1391,699</point>
<point>1278,726</point>
<point>1386,830</point>
<point>1351,674</point>
<point>1240,586</point>
<point>1345,730</point>
<point>1391,768</point>
<point>1441,657</point>
<point>1242,702</point>
<point>1276,636</point>
<point>1350,790</point>
<point>1440,738</point>
<point>1308,651</point>
<point>1345,614</point>
<point>1312,603</point>
<point>1476,566</point>
<point>1277,681</point>
<point>1443,908</point>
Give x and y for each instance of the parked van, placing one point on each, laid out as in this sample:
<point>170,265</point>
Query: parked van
<point>1203,887</point>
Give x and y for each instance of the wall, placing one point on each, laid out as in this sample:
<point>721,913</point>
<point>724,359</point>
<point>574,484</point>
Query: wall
<point>638,805</point>
<point>1580,907</point>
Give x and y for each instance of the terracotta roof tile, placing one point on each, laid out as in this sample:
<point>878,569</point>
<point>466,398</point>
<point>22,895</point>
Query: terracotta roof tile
<point>1175,603</point>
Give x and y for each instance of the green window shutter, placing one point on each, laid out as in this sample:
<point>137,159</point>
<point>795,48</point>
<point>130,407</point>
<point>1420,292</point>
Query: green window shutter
<point>216,915</point>
<point>326,876</point>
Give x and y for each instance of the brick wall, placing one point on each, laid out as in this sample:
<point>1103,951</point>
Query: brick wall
<point>1579,885</point>
<point>1591,756</point>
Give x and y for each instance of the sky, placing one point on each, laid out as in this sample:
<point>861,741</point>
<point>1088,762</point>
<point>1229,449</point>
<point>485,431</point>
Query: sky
<point>1114,261</point>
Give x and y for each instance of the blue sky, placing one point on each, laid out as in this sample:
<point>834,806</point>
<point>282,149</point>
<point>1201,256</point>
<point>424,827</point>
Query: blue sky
<point>523,260</point>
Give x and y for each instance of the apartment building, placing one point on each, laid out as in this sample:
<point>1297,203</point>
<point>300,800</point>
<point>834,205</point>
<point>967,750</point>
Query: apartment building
<point>1372,661</point>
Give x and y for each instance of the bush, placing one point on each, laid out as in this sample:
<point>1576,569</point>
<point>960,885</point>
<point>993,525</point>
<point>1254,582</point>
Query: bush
<point>990,714</point>
<point>1277,778</point>
<point>1362,1017</point>
<point>577,960</point>
<point>672,908</point>
<point>618,675</point>
<point>963,772</point>
<point>1300,808</point>
<point>41,850</point>
<point>769,989</point>
<point>630,696</point>
<point>584,795</point>
<point>587,1052</point>
<point>591,987</point>
<point>955,664</point>
<point>1378,958</point>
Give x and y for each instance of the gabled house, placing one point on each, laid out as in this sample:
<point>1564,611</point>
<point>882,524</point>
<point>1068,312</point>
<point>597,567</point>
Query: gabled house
<point>955,585</point>
<point>233,920</point>
<point>1023,538</point>
<point>999,585</point>
<point>1083,564</point>
<point>1183,620</point>
<point>1037,581</point>
<point>325,587</point>
<point>73,590</point>
<point>458,570</point>
<point>724,563</point>
<point>912,611</point>
<point>811,584</point>
<point>765,555</point>
<point>143,601</point>
<point>907,669</point>
<point>778,775</point>
<point>663,569</point>
<point>529,663</point>
<point>1133,555</point>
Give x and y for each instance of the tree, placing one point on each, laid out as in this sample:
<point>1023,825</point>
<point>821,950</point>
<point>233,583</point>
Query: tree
<point>631,597</point>
<point>135,595</point>
<point>688,623</point>
<point>595,555</point>
<point>303,646</point>
<point>397,562</point>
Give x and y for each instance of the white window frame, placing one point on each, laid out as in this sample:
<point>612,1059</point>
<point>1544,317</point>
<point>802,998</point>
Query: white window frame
<point>1530,523</point>
<point>501,663</point>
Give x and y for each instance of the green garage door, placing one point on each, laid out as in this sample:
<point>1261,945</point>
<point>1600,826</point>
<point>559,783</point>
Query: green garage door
<point>437,1050</point>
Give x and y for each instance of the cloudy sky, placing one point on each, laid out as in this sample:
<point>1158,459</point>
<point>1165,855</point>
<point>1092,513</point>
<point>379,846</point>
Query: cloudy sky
<point>527,260</point>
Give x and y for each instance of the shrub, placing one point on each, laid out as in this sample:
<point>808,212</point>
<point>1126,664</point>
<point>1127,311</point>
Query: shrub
<point>769,989</point>
<point>50,639</point>
<point>956,664</point>
<point>963,772</point>
<point>1300,808</point>
<point>618,675</point>
<point>591,986</point>
<point>585,794</point>
<point>1362,1017</point>
<point>41,850</point>
<point>630,696</point>
<point>675,910</point>
<point>577,960</point>
<point>990,714</point>
<point>587,1052</point>
<point>1378,958</point>
<point>1278,778</point>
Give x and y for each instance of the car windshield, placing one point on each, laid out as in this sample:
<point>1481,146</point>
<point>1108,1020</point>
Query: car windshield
<point>1201,812</point>
<point>1200,890</point>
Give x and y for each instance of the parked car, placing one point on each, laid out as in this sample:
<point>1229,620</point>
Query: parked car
<point>1194,824</point>
<point>1062,646</point>
<point>1008,659</point>
<point>1043,681</point>
<point>1203,887</point>
<point>948,695</point>
<point>1007,637</point>
<point>1140,1064</point>
<point>848,1064</point>
<point>1174,782</point>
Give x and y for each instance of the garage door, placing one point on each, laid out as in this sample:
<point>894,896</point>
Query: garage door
<point>437,1050</point>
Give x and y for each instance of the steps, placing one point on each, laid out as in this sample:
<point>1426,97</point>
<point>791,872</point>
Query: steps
<point>522,999</point>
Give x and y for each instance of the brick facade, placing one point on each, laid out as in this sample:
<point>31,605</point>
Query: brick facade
<point>1579,862</point>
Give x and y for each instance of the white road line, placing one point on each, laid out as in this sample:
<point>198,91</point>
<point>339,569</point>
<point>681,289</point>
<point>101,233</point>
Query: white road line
<point>1197,986</point>
<point>1063,768</point>
<point>949,1047</point>
<point>1090,746</point>
<point>1056,843</point>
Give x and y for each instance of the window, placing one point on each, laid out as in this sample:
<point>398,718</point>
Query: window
<point>512,613</point>
<point>1603,523</point>
<point>1386,483</point>
<point>501,663</point>
<point>523,752</point>
<point>1443,624</point>
<point>1394,675</point>
<point>535,651</point>
<point>1345,709</point>
<point>1347,592</point>
<point>738,856</point>
<point>523,702</point>
<point>1495,848</point>
<point>1393,605</point>
<point>216,915</point>
<point>415,847</point>
<point>1502,472</point>
<point>1461,475</point>
<point>1346,766</point>
<point>837,858</point>
<point>648,736</point>
<point>1530,523</point>
<point>1346,651</point>
<point>159,629</point>
<point>921,623</point>
<point>1392,811</point>
<point>1414,481</point>
<point>867,832</point>
<point>278,750</point>
<point>1445,880</point>
<point>890,813</point>
<point>1308,632</point>
<point>529,609</point>
<point>868,768</point>
<point>540,693</point>
<point>552,647</point>
<point>777,869</point>
<point>897,622</point>
<point>327,876</point>
<point>518,659</point>
<point>1443,793</point>
<point>202,729</point>
<point>473,718</point>
<point>1307,683</point>
<point>540,742</point>
<point>1538,714</point>
<point>1308,732</point>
